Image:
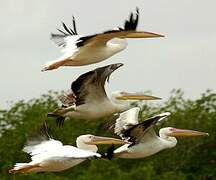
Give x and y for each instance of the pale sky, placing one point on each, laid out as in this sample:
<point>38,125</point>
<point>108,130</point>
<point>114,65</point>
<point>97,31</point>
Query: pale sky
<point>185,58</point>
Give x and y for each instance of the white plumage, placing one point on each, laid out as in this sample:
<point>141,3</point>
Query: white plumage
<point>81,50</point>
<point>145,141</point>
<point>68,51</point>
<point>51,155</point>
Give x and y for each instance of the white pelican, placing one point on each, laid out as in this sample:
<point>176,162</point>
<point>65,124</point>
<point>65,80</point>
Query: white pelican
<point>144,140</point>
<point>52,156</point>
<point>81,50</point>
<point>87,98</point>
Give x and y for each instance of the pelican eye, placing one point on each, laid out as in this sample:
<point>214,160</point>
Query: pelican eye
<point>91,137</point>
<point>123,93</point>
<point>172,129</point>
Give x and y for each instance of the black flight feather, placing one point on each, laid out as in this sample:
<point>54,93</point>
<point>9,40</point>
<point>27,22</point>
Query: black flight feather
<point>137,131</point>
<point>129,25</point>
<point>59,38</point>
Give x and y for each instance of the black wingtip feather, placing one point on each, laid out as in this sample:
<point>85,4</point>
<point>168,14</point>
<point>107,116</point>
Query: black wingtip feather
<point>131,24</point>
<point>74,25</point>
<point>62,32</point>
<point>137,10</point>
<point>66,29</point>
<point>58,39</point>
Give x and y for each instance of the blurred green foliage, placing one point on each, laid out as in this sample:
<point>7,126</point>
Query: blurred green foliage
<point>192,158</point>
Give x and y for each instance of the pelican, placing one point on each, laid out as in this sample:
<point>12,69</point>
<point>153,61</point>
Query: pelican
<point>81,50</point>
<point>87,98</point>
<point>52,156</point>
<point>144,140</point>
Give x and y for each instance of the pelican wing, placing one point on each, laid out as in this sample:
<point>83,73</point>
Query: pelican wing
<point>126,120</point>
<point>36,147</point>
<point>69,36</point>
<point>41,143</point>
<point>89,87</point>
<point>148,135</point>
<point>67,39</point>
<point>128,31</point>
<point>61,38</point>
<point>83,90</point>
<point>102,38</point>
<point>138,131</point>
<point>54,150</point>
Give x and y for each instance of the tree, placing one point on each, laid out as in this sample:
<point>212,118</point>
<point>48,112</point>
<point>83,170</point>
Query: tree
<point>193,158</point>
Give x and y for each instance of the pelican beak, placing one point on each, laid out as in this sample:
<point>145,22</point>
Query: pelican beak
<point>185,132</point>
<point>136,96</point>
<point>143,34</point>
<point>106,140</point>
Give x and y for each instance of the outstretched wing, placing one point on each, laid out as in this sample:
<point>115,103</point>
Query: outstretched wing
<point>81,87</point>
<point>138,131</point>
<point>89,87</point>
<point>70,35</point>
<point>67,39</point>
<point>61,38</point>
<point>102,38</point>
<point>128,31</point>
<point>85,88</point>
<point>41,143</point>
<point>41,147</point>
<point>126,120</point>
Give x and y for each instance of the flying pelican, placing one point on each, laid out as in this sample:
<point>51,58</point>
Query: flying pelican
<point>144,140</point>
<point>87,98</point>
<point>81,50</point>
<point>52,156</point>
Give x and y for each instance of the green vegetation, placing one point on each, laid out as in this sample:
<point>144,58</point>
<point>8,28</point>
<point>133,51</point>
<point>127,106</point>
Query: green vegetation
<point>192,158</point>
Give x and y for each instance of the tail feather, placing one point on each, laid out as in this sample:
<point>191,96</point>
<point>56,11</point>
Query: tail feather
<point>23,168</point>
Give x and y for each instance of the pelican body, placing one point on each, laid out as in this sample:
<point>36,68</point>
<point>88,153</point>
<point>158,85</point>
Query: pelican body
<point>53,156</point>
<point>87,98</point>
<point>145,142</point>
<point>81,50</point>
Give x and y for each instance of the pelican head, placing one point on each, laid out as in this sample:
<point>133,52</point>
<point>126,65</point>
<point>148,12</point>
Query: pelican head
<point>104,73</point>
<point>134,96</point>
<point>171,132</point>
